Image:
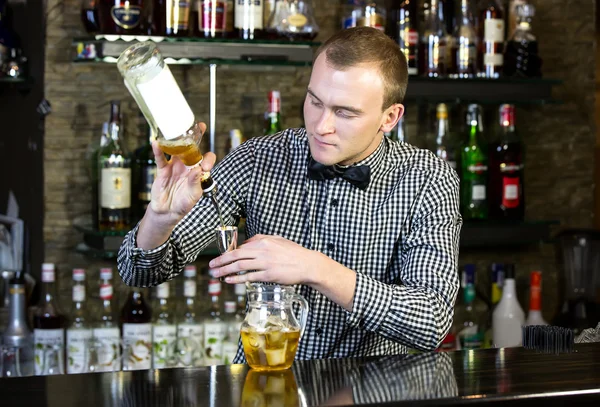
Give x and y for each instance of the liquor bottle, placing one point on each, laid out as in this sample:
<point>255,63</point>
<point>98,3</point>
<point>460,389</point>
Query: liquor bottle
<point>352,11</point>
<point>513,15</point>
<point>106,332</point>
<point>89,16</point>
<point>273,113</point>
<point>92,157</point>
<point>240,294</point>
<point>79,333</point>
<point>406,21</point>
<point>506,197</point>
<point>444,143</point>
<point>491,26</point>
<point>164,330</point>
<point>433,43</point>
<point>114,177</point>
<point>213,18</point>
<point>190,331</point>
<point>145,173</point>
<point>17,333</point>
<point>521,57</point>
<point>495,296</point>
<point>469,317</point>
<point>172,17</point>
<point>374,15</point>
<point>465,44</point>
<point>236,138</point>
<point>508,317</point>
<point>49,327</point>
<point>123,17</point>
<point>153,87</point>
<point>474,163</point>
<point>534,317</point>
<point>249,19</point>
<point>293,20</point>
<point>232,333</point>
<point>448,11</point>
<point>136,317</point>
<point>214,327</point>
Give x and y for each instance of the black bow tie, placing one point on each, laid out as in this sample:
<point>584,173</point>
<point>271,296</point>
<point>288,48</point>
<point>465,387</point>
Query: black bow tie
<point>359,176</point>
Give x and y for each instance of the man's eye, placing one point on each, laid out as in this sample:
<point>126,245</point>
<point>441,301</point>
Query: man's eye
<point>317,104</point>
<point>342,113</point>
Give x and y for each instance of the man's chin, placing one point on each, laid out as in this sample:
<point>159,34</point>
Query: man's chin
<point>321,158</point>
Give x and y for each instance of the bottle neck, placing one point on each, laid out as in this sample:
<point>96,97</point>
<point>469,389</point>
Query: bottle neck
<point>49,292</point>
<point>214,305</point>
<point>524,26</point>
<point>509,290</point>
<point>442,128</point>
<point>18,306</point>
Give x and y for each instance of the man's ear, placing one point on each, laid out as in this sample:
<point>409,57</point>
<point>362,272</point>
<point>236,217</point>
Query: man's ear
<point>391,116</point>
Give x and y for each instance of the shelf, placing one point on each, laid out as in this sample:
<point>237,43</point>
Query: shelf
<point>23,84</point>
<point>198,51</point>
<point>491,234</point>
<point>481,90</point>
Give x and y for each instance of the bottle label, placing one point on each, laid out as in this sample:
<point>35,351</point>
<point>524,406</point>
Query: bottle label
<point>189,289</point>
<point>48,276</point>
<point>78,350</point>
<point>478,193</point>
<point>78,293</point>
<point>214,287</point>
<point>493,30</point>
<point>115,188</point>
<point>183,14</point>
<point>471,338</point>
<point>166,104</point>
<point>249,15</point>
<point>214,335</point>
<point>164,338</point>
<point>230,348</point>
<point>535,292</point>
<point>127,17</point>
<point>493,59</point>
<point>510,192</point>
<point>108,349</point>
<point>297,20</point>
<point>106,291</point>
<point>162,291</point>
<point>137,342</point>
<point>190,339</point>
<point>49,347</point>
<point>240,289</point>
<point>214,16</point>
<point>148,177</point>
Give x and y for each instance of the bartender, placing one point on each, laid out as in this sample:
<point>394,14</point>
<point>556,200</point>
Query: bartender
<point>365,228</point>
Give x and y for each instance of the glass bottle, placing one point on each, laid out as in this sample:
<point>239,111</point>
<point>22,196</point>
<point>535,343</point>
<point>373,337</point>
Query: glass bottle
<point>213,18</point>
<point>92,157</point>
<point>465,44</point>
<point>153,87</point>
<point>214,326</point>
<point>232,333</point>
<point>508,317</point>
<point>534,317</point>
<point>164,330</point>
<point>444,147</point>
<point>374,15</point>
<point>79,333</point>
<point>294,20</point>
<point>469,317</point>
<point>49,327</point>
<point>434,44</point>
<point>495,296</point>
<point>240,294</point>
<point>273,113</point>
<point>236,138</point>
<point>474,168</point>
<point>506,197</point>
<point>172,17</point>
<point>190,331</point>
<point>136,317</point>
<point>123,17</point>
<point>106,332</point>
<point>249,19</point>
<point>352,11</point>
<point>114,177</point>
<point>521,57</point>
<point>145,167</point>
<point>492,32</point>
<point>89,16</point>
<point>408,33</point>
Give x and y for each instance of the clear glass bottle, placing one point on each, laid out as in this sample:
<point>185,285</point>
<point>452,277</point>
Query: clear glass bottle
<point>294,20</point>
<point>465,44</point>
<point>214,327</point>
<point>190,331</point>
<point>153,87</point>
<point>136,317</point>
<point>114,176</point>
<point>492,32</point>
<point>79,332</point>
<point>145,173</point>
<point>164,330</point>
<point>433,43</point>
<point>444,147</point>
<point>232,334</point>
<point>249,19</point>
<point>107,338</point>
<point>407,26</point>
<point>352,11</point>
<point>374,15</point>
<point>521,57</point>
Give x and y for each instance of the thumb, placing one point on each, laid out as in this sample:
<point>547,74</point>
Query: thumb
<point>195,177</point>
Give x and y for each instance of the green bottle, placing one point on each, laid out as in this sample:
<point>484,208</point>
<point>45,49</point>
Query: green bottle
<point>474,165</point>
<point>273,114</point>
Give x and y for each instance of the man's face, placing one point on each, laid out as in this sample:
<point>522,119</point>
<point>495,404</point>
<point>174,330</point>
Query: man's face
<point>343,115</point>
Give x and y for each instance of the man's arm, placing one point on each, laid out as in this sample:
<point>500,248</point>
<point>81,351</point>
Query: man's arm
<point>145,268</point>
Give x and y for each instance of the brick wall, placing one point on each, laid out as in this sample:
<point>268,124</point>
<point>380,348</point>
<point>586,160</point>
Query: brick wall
<point>559,138</point>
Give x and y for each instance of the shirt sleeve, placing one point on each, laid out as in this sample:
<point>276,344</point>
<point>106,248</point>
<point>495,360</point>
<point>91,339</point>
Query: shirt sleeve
<point>147,268</point>
<point>418,310</point>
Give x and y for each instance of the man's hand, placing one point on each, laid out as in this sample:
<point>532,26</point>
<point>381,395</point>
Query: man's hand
<point>278,260</point>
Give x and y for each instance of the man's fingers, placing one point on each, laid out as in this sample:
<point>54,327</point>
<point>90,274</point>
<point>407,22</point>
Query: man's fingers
<point>159,156</point>
<point>208,162</point>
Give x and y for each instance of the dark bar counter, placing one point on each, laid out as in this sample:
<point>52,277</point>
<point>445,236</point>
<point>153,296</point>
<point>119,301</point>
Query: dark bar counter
<point>491,376</point>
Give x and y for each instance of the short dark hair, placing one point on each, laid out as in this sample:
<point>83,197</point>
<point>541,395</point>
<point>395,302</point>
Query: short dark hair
<point>353,46</point>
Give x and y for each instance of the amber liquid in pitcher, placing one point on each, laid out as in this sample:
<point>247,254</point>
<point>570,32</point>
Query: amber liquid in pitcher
<point>187,150</point>
<point>273,349</point>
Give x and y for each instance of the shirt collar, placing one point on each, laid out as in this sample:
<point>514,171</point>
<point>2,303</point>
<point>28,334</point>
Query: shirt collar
<point>375,159</point>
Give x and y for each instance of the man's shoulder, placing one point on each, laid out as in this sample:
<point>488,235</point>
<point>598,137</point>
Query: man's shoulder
<point>414,159</point>
<point>288,139</point>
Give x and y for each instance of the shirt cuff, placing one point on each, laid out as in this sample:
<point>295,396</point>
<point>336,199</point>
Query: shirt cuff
<point>146,258</point>
<point>372,301</point>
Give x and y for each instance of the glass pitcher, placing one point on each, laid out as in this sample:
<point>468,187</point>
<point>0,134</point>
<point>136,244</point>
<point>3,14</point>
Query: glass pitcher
<point>270,332</point>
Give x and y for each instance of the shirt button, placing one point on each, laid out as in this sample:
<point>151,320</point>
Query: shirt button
<point>319,331</point>
<point>330,247</point>
<point>334,203</point>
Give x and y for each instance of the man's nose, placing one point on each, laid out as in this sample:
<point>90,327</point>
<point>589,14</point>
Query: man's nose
<point>326,123</point>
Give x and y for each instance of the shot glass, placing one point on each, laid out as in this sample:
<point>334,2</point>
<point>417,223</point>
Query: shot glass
<point>227,238</point>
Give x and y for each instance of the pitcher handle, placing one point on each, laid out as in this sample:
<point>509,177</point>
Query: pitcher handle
<point>303,311</point>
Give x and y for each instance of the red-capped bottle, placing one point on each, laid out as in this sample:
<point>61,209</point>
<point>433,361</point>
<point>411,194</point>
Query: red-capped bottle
<point>506,197</point>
